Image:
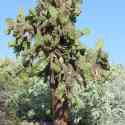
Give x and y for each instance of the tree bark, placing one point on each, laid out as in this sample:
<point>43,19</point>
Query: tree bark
<point>59,109</point>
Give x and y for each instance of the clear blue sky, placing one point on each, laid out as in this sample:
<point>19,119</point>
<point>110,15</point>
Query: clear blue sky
<point>105,18</point>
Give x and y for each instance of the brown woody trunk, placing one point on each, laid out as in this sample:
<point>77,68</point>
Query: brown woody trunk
<point>59,108</point>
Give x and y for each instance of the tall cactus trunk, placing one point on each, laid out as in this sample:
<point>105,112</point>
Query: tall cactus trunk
<point>59,108</point>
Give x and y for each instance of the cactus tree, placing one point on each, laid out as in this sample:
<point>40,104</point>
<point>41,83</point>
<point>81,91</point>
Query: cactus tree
<point>49,34</point>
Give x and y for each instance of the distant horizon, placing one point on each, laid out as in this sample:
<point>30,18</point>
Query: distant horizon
<point>105,19</point>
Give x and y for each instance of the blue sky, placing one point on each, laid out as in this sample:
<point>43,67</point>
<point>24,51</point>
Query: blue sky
<point>105,18</point>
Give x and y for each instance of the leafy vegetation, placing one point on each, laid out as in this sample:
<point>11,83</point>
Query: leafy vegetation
<point>100,103</point>
<point>56,79</point>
